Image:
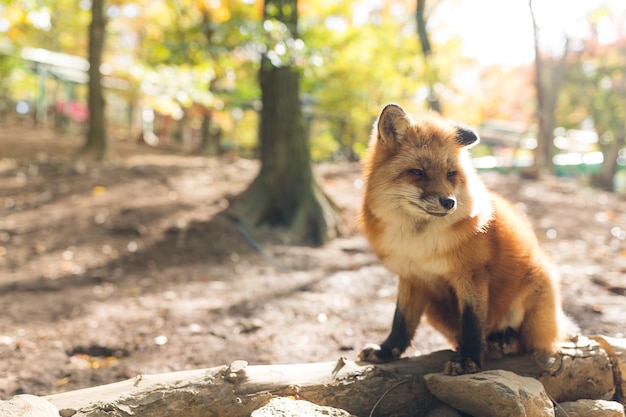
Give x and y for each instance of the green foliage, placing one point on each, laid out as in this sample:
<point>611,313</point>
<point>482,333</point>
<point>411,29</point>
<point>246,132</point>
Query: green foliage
<point>595,86</point>
<point>356,68</point>
<point>8,63</point>
<point>354,56</point>
<point>212,42</point>
<point>22,85</point>
<point>324,145</point>
<point>56,25</point>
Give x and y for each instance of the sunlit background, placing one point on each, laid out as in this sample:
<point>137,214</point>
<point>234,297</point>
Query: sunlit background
<point>172,63</point>
<point>109,271</point>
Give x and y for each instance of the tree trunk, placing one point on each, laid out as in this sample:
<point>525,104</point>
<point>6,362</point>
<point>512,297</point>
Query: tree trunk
<point>605,178</point>
<point>285,192</point>
<point>541,160</point>
<point>431,73</point>
<point>182,137</point>
<point>547,93</point>
<point>210,142</point>
<point>210,134</point>
<point>587,369</point>
<point>96,146</point>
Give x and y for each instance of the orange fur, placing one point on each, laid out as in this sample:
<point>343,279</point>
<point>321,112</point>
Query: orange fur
<point>481,253</point>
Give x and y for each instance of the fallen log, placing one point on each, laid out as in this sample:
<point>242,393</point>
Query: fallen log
<point>585,369</point>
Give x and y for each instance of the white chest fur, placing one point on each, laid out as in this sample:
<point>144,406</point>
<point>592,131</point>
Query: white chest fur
<point>417,251</point>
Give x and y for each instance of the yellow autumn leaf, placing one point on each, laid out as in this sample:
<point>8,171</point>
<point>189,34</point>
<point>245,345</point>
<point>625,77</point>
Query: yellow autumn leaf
<point>98,190</point>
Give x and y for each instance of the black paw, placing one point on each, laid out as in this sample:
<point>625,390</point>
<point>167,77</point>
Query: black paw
<point>503,343</point>
<point>377,354</point>
<point>461,366</point>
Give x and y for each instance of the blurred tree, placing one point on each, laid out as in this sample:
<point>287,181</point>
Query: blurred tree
<point>432,76</point>
<point>549,73</point>
<point>285,191</point>
<point>594,91</point>
<point>216,40</point>
<point>96,146</point>
<point>224,30</point>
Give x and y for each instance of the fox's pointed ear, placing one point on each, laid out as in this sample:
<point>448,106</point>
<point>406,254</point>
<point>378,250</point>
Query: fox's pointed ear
<point>392,124</point>
<point>466,137</point>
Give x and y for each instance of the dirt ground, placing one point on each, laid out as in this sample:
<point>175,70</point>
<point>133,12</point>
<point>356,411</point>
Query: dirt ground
<point>111,272</point>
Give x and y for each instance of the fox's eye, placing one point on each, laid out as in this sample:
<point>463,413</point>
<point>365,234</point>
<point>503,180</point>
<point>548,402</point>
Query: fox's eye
<point>418,173</point>
<point>452,174</point>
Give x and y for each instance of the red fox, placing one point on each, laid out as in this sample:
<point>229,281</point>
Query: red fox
<point>465,258</point>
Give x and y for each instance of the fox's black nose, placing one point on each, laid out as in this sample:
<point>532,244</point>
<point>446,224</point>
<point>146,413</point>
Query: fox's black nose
<point>447,202</point>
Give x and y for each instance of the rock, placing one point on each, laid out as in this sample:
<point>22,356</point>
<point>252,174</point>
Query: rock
<point>443,411</point>
<point>286,407</point>
<point>492,394</point>
<point>27,406</point>
<point>593,408</point>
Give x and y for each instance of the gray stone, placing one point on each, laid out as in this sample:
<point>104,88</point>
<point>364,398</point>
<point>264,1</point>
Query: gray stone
<point>286,407</point>
<point>27,406</point>
<point>593,408</point>
<point>492,394</point>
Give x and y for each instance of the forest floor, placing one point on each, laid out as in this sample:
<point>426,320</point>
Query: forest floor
<point>110,272</point>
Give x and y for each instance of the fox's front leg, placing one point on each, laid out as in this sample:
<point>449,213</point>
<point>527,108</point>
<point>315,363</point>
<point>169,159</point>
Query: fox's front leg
<point>471,349</point>
<point>409,308</point>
